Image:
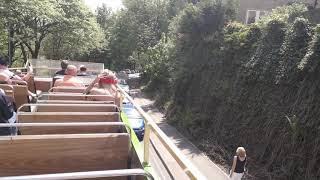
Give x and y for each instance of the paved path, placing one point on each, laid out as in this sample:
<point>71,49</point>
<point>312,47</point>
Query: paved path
<point>198,158</point>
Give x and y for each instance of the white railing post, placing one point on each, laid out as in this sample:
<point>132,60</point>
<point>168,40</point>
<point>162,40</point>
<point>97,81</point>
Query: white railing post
<point>146,142</point>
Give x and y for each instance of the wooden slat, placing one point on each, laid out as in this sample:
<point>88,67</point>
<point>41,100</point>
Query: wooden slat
<point>32,85</point>
<point>74,97</point>
<point>44,154</point>
<point>20,94</point>
<point>43,118</point>
<point>43,84</point>
<point>72,102</point>
<point>69,89</point>
<point>51,117</point>
<point>9,91</point>
<point>76,108</point>
<point>69,129</point>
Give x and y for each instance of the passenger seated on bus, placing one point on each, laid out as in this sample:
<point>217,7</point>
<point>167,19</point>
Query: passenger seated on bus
<point>7,114</point>
<point>4,69</point>
<point>5,79</point>
<point>104,84</point>
<point>19,73</point>
<point>83,71</point>
<point>64,65</point>
<point>70,79</point>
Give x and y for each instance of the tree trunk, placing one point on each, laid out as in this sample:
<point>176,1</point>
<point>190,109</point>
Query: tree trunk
<point>10,45</point>
<point>36,50</point>
<point>24,53</point>
<point>315,3</point>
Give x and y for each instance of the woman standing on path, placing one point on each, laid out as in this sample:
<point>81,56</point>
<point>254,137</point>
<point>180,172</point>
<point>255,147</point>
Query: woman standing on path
<point>238,165</point>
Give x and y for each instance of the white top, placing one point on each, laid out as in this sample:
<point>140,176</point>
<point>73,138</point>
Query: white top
<point>7,72</point>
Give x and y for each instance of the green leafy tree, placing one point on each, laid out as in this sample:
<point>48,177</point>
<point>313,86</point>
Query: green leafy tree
<point>67,23</point>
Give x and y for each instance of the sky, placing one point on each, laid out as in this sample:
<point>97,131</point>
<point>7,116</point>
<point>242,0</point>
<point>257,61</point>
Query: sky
<point>114,4</point>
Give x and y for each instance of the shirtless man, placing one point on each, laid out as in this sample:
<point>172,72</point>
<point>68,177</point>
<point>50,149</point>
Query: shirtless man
<point>70,79</point>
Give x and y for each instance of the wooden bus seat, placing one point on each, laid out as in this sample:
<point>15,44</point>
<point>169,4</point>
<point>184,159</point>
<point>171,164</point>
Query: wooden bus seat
<point>43,84</point>
<point>69,128</point>
<point>73,97</point>
<point>75,107</point>
<point>8,90</point>
<point>31,85</point>
<point>45,154</point>
<point>68,89</point>
<point>20,94</point>
<point>59,117</point>
<point>72,102</point>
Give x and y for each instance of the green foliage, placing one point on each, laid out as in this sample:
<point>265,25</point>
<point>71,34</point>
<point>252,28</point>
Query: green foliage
<point>66,27</point>
<point>267,55</point>
<point>157,70</point>
<point>228,77</point>
<point>133,30</point>
<point>294,47</point>
<point>79,34</point>
<point>104,14</point>
<point>310,62</point>
<point>3,37</point>
<point>285,14</point>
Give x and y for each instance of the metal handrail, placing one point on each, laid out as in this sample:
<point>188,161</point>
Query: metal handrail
<point>184,163</point>
<point>84,175</point>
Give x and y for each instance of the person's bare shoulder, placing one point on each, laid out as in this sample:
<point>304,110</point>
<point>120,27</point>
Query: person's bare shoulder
<point>57,82</point>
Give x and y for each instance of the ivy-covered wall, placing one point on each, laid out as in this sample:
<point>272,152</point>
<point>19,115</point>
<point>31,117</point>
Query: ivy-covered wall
<point>255,86</point>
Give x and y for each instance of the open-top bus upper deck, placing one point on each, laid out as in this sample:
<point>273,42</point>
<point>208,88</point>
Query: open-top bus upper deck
<point>67,135</point>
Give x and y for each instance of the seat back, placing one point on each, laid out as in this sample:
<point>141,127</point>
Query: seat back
<point>68,89</point>
<point>67,128</point>
<point>72,102</point>
<point>74,107</point>
<point>21,96</point>
<point>32,85</point>
<point>66,117</point>
<point>58,117</point>
<point>74,97</point>
<point>9,90</point>
<point>43,84</point>
<point>45,154</point>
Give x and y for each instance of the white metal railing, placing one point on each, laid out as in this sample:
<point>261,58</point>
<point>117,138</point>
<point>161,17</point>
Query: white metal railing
<point>84,175</point>
<point>150,126</point>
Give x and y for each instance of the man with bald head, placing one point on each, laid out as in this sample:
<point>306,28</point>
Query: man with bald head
<point>69,80</point>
